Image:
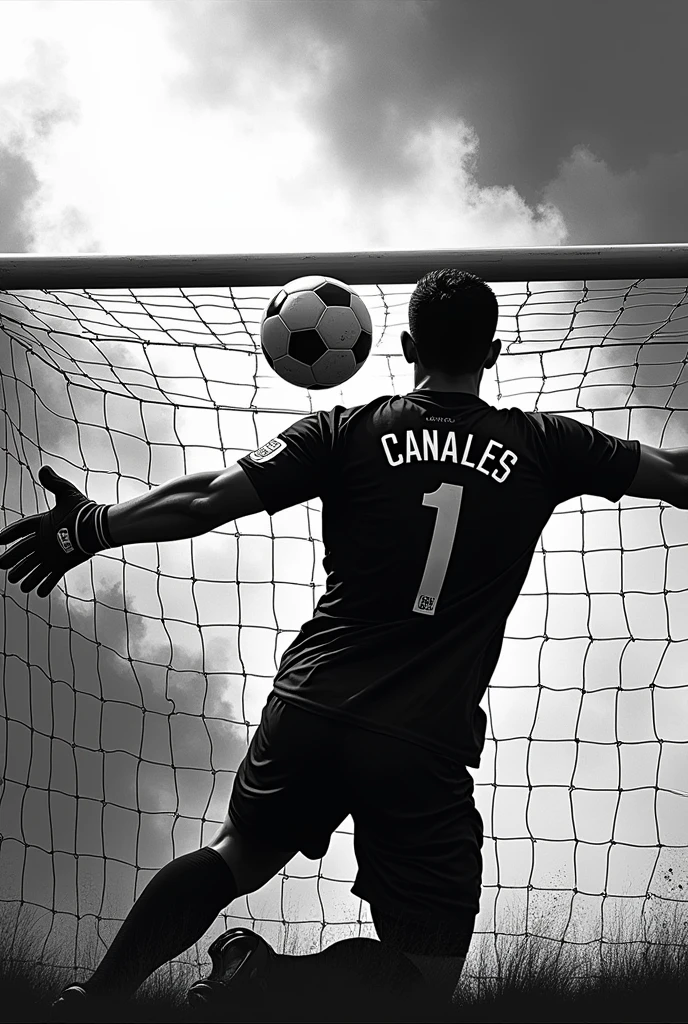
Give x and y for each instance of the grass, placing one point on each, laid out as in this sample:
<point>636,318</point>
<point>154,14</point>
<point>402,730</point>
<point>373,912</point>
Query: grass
<point>513,979</point>
<point>635,976</point>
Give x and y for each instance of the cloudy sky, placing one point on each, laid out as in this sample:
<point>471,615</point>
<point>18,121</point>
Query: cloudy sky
<point>239,127</point>
<point>250,127</point>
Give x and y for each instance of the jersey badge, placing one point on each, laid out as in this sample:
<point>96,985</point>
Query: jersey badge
<point>269,450</point>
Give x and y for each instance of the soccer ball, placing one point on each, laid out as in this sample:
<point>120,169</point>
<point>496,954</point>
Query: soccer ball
<point>316,332</point>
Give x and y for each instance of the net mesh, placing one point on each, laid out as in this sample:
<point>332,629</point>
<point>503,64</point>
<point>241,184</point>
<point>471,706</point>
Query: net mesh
<point>130,695</point>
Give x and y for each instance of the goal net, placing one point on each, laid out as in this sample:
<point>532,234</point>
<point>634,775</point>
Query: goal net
<point>130,695</point>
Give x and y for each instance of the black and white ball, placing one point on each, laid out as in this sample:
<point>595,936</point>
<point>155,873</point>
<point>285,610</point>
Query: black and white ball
<point>316,332</point>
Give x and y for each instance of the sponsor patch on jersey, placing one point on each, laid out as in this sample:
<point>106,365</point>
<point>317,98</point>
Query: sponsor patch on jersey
<point>269,450</point>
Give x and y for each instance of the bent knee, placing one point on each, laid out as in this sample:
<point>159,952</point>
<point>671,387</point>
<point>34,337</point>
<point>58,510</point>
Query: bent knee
<point>253,862</point>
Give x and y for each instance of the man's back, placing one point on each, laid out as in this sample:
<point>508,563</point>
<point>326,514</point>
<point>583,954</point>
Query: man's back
<point>433,503</point>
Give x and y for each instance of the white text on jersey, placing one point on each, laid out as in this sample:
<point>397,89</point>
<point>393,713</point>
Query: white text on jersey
<point>428,449</point>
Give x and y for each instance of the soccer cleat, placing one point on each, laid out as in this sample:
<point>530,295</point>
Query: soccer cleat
<point>72,1004</point>
<point>242,962</point>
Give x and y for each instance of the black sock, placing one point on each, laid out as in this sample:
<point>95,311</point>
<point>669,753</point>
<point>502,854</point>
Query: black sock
<point>353,974</point>
<point>175,910</point>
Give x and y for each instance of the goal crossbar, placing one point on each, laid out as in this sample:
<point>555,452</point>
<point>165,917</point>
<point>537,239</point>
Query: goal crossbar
<point>546,263</point>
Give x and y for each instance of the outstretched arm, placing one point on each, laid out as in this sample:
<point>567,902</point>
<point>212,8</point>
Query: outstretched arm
<point>186,507</point>
<point>662,474</point>
<point>50,544</point>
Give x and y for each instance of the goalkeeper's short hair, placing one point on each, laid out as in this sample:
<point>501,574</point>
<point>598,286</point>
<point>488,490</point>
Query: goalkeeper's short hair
<point>452,319</point>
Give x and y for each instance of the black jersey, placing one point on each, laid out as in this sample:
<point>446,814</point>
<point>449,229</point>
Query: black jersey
<point>432,505</point>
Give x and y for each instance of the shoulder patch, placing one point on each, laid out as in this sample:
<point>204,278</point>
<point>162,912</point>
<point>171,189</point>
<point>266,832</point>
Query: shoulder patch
<point>269,450</point>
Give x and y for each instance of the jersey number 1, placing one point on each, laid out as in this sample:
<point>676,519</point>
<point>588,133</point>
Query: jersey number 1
<point>447,500</point>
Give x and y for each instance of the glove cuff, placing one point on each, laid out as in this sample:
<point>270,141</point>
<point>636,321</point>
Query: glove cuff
<point>91,531</point>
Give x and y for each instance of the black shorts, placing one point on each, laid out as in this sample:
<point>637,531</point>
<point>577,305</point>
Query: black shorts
<point>417,832</point>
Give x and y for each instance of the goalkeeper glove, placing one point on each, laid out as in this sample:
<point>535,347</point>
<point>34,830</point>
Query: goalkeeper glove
<point>54,542</point>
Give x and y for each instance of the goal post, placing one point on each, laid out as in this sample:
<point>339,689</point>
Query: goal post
<point>130,695</point>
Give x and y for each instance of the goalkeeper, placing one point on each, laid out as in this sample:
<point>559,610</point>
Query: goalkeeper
<point>433,503</point>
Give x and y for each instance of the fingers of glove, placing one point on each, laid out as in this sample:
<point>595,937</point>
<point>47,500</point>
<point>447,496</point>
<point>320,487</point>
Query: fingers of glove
<point>17,552</point>
<point>23,568</point>
<point>21,528</point>
<point>34,578</point>
<point>48,584</point>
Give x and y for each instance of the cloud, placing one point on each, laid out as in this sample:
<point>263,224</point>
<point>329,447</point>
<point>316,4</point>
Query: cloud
<point>18,183</point>
<point>245,128</point>
<point>87,720</point>
<point>34,107</point>
<point>530,81</point>
<point>646,204</point>
<point>272,126</point>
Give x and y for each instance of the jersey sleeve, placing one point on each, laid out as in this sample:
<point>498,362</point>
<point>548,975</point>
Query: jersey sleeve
<point>580,459</point>
<point>297,464</point>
